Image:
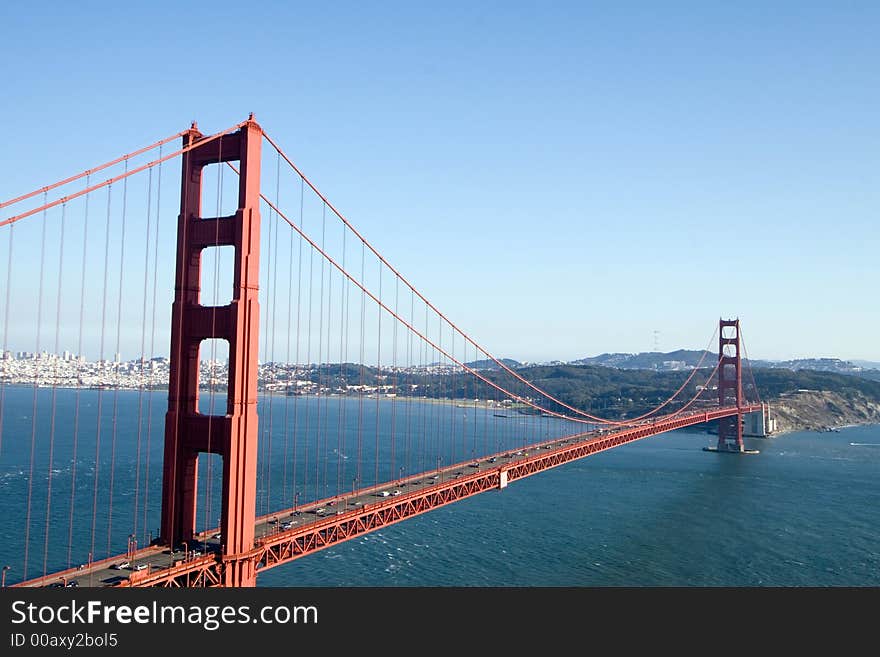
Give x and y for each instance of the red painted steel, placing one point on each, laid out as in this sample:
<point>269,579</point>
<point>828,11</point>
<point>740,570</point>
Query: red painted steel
<point>88,172</point>
<point>500,363</point>
<point>114,179</point>
<point>730,434</point>
<point>188,432</point>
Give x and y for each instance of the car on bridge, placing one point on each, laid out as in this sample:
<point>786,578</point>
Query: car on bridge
<point>121,565</point>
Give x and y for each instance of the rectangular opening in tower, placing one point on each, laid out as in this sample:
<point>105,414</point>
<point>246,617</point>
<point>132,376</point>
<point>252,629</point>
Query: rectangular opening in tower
<point>213,376</point>
<point>219,189</point>
<point>209,501</point>
<point>728,332</point>
<point>216,278</point>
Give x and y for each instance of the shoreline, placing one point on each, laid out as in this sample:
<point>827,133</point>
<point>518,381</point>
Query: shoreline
<point>809,429</point>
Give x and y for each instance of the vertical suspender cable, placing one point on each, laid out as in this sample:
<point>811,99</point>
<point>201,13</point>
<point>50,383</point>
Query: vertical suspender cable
<point>422,425</point>
<point>496,441</point>
<point>361,387</point>
<point>6,328</point>
<point>474,394</point>
<point>454,396</point>
<point>320,455</point>
<point>54,391</point>
<point>438,358</point>
<point>284,496</point>
<point>328,378</point>
<point>453,415</point>
<point>433,388</point>
<point>117,358</point>
<point>394,372</point>
<point>79,357</point>
<point>102,367</point>
<point>269,365</point>
<point>378,376</point>
<point>410,366</point>
<point>309,402</point>
<point>27,526</point>
<point>343,378</point>
<point>423,436</point>
<point>274,329</point>
<point>152,337</point>
<point>296,369</point>
<point>749,365</point>
<point>469,418</point>
<point>142,383</point>
<point>488,409</point>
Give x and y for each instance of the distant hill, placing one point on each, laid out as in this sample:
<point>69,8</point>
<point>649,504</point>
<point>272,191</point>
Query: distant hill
<point>684,359</point>
<point>809,398</point>
<point>650,360</point>
<point>487,364</point>
<point>804,398</point>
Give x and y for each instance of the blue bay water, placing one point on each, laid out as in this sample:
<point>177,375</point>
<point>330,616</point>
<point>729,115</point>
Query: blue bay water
<point>659,512</point>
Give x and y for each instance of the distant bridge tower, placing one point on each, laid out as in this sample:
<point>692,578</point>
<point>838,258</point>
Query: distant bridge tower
<point>187,432</point>
<point>730,430</point>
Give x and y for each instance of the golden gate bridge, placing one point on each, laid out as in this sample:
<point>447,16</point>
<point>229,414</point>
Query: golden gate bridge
<point>278,303</point>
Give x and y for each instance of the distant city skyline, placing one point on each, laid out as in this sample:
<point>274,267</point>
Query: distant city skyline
<point>561,181</point>
<point>210,360</point>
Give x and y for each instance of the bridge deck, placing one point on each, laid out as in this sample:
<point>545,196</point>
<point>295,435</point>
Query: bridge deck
<point>292,533</point>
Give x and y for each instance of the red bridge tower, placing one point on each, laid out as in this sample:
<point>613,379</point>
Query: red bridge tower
<point>187,432</point>
<point>730,430</point>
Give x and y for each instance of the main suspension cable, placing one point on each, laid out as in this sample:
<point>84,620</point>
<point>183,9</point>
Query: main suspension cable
<point>497,361</point>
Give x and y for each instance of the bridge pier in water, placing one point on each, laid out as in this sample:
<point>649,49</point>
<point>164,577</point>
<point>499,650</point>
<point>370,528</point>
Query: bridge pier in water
<point>188,432</point>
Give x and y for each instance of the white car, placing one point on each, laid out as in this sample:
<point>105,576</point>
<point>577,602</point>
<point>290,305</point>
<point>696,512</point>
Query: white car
<point>121,565</point>
<point>140,566</point>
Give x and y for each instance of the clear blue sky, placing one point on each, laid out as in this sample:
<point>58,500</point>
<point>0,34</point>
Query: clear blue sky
<point>561,179</point>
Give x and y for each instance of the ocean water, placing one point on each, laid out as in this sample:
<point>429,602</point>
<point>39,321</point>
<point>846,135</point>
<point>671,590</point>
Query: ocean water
<point>659,512</point>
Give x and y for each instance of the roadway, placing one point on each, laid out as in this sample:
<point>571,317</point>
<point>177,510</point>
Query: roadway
<point>201,552</point>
